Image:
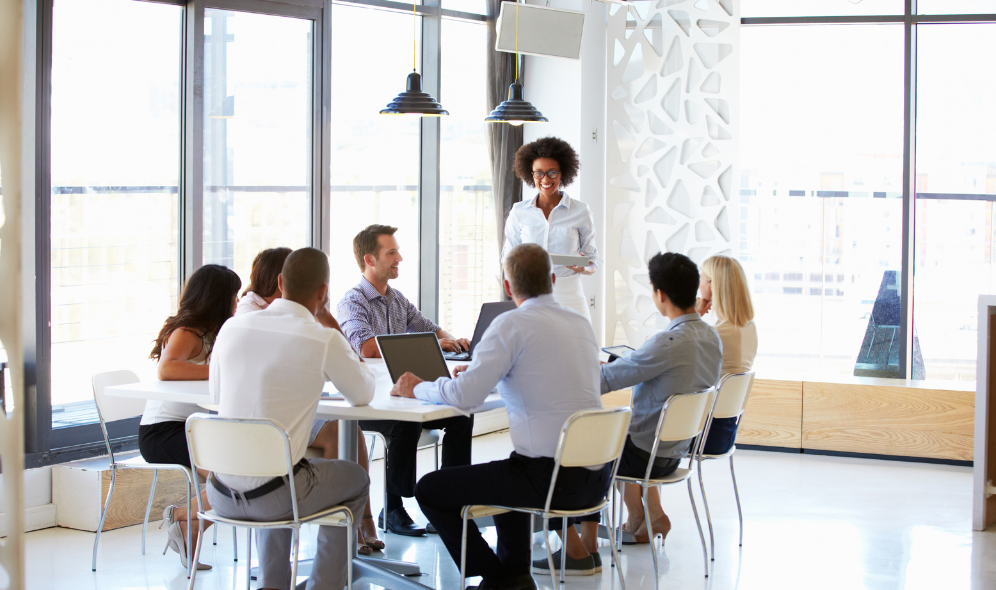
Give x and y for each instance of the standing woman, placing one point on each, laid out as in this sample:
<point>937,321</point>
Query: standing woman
<point>182,349</point>
<point>552,219</point>
<point>723,289</point>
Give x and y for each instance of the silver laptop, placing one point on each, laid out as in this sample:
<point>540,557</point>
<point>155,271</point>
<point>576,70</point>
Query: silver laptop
<point>489,311</point>
<point>416,353</point>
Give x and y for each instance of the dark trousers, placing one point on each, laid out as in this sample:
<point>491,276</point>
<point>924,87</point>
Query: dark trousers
<point>402,446</point>
<point>517,481</point>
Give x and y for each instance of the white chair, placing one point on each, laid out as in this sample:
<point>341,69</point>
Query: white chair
<point>588,438</point>
<point>683,417</point>
<point>731,402</point>
<point>427,438</point>
<point>256,448</point>
<point>109,409</point>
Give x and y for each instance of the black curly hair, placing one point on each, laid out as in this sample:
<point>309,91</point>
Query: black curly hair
<point>547,147</point>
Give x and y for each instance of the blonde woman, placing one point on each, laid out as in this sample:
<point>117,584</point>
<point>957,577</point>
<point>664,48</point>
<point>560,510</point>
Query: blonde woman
<point>723,289</point>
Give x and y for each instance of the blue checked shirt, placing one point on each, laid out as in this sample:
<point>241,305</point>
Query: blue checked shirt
<point>364,313</point>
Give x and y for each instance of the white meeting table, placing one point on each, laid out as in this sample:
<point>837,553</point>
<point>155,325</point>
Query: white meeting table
<point>384,572</point>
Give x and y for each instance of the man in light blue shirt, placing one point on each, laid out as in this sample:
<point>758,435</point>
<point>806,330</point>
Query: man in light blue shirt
<point>544,360</point>
<point>685,357</point>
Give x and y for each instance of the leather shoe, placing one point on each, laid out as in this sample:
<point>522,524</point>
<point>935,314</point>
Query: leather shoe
<point>523,582</point>
<point>399,523</point>
<point>430,529</point>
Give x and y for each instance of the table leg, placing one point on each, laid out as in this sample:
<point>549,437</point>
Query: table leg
<point>348,449</point>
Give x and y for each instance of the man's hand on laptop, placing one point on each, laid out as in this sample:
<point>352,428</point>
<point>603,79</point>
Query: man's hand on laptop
<point>405,387</point>
<point>454,344</point>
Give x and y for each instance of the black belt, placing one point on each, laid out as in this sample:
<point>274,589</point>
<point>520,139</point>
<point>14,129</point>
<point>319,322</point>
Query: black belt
<point>272,485</point>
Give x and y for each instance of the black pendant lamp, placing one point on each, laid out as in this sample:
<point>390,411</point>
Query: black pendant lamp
<point>413,101</point>
<point>516,110</point>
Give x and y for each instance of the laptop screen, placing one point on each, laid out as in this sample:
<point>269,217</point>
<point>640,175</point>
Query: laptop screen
<point>489,311</point>
<point>417,353</point>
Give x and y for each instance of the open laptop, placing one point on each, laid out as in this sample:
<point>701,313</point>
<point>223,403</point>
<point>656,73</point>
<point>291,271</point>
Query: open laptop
<point>418,353</point>
<point>489,311</point>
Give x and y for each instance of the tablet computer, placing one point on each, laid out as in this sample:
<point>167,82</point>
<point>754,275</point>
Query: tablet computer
<point>565,260</point>
<point>621,351</point>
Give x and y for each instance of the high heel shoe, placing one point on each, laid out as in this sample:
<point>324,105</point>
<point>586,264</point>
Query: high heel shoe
<point>176,541</point>
<point>167,519</point>
<point>374,544</point>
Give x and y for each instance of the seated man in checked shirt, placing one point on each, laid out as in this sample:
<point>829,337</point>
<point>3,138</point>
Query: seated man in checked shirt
<point>373,308</point>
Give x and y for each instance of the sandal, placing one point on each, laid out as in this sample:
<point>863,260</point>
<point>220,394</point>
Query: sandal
<point>363,549</point>
<point>374,543</point>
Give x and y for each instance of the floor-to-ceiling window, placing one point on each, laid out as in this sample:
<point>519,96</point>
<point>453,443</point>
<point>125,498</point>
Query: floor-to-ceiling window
<point>855,114</point>
<point>468,246</point>
<point>375,158</point>
<point>257,135</point>
<point>115,148</point>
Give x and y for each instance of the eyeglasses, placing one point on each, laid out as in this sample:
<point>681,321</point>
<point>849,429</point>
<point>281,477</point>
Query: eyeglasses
<point>537,174</point>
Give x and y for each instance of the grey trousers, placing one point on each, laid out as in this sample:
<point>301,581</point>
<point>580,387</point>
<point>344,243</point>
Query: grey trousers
<point>323,483</point>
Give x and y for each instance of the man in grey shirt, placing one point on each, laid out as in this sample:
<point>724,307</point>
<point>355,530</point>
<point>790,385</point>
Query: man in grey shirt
<point>685,357</point>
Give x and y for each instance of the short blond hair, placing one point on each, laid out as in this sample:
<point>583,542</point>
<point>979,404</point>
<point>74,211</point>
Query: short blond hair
<point>730,295</point>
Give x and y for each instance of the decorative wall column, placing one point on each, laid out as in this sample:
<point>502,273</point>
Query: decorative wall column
<point>12,426</point>
<point>671,155</point>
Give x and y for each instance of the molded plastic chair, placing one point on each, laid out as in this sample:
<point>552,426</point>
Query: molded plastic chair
<point>109,409</point>
<point>683,417</point>
<point>256,448</point>
<point>731,402</point>
<point>588,438</point>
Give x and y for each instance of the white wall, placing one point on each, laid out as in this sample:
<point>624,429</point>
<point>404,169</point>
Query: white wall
<point>39,511</point>
<point>571,93</point>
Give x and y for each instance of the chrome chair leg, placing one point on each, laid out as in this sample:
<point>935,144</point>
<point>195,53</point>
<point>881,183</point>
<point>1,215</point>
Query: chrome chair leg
<point>705,502</point>
<point>653,541</point>
<point>350,548</point>
<point>195,556</point>
<point>563,549</point>
<point>736,493</point>
<point>249,555</point>
<point>615,554</point>
<point>235,541</point>
<point>103,515</point>
<point>463,552</point>
<point>549,555</point>
<point>698,523</point>
<point>295,547</point>
<point>214,541</point>
<point>148,507</point>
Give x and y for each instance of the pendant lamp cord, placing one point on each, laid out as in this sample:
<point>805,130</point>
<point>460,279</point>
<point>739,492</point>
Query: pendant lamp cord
<point>516,40</point>
<point>414,38</point>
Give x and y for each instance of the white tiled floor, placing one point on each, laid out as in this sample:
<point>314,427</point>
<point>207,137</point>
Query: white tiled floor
<point>810,522</point>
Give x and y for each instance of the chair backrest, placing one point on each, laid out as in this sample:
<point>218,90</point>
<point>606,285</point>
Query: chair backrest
<point>589,438</point>
<point>109,407</point>
<point>593,437</point>
<point>251,448</point>
<point>684,415</point>
<point>734,391</point>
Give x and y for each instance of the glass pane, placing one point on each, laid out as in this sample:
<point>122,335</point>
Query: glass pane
<point>115,164</point>
<point>956,6</point>
<point>375,158</point>
<point>257,136</point>
<point>821,183</point>
<point>956,187</point>
<point>755,8</point>
<point>468,247</point>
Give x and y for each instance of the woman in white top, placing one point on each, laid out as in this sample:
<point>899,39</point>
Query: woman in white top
<point>263,289</point>
<point>183,348</point>
<point>552,219</point>
<point>723,289</point>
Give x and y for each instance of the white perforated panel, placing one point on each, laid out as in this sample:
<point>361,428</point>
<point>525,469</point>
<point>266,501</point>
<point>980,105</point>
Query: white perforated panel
<point>671,154</point>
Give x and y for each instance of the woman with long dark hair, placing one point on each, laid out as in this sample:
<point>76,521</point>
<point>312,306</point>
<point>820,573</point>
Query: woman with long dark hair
<point>182,350</point>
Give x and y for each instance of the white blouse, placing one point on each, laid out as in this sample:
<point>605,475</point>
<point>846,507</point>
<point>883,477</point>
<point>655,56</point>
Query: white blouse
<point>570,230</point>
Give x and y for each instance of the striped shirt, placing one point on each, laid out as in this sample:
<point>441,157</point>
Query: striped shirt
<point>364,313</point>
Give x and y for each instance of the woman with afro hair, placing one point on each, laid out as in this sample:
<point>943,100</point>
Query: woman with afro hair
<point>552,219</point>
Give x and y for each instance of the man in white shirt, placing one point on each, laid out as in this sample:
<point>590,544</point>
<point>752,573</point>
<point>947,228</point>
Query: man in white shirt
<point>273,364</point>
<point>544,360</point>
